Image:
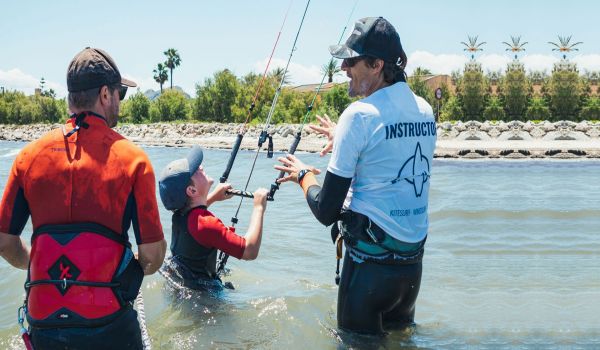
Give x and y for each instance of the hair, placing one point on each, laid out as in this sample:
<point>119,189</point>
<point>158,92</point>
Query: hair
<point>393,72</point>
<point>86,99</point>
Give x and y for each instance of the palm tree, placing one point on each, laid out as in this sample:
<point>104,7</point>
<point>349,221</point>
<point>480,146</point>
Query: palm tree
<point>278,72</point>
<point>516,46</point>
<point>161,75</point>
<point>564,45</point>
<point>330,69</point>
<point>421,71</point>
<point>473,46</point>
<point>173,61</point>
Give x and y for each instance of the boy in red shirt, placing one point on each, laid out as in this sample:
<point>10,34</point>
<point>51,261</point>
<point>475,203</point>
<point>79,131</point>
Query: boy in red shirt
<point>197,233</point>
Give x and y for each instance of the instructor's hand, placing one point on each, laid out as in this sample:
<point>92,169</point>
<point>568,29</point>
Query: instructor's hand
<point>292,166</point>
<point>326,127</point>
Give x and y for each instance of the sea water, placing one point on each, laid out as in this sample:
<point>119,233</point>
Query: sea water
<point>512,261</point>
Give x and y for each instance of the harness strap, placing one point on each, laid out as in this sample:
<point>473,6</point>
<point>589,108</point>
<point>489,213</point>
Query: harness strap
<point>65,282</point>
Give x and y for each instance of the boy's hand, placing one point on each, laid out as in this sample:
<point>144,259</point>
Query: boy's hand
<point>260,198</point>
<point>220,193</point>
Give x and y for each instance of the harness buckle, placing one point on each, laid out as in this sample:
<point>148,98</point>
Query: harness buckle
<point>370,233</point>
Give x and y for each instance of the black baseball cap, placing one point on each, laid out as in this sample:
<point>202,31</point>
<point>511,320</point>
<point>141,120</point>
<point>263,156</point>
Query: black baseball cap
<point>92,68</point>
<point>372,36</point>
<point>175,179</point>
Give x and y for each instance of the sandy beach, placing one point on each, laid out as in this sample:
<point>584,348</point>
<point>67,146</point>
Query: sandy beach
<point>561,140</point>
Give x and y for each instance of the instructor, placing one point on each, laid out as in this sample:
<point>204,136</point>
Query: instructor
<point>376,188</point>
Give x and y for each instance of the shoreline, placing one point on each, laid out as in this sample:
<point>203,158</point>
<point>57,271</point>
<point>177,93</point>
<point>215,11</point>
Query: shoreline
<point>468,140</point>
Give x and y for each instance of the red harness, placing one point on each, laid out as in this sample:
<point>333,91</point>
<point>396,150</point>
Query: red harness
<point>80,275</point>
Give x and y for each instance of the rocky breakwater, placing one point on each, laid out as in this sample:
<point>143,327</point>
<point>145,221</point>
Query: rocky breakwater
<point>454,140</point>
<point>210,135</point>
<point>515,139</point>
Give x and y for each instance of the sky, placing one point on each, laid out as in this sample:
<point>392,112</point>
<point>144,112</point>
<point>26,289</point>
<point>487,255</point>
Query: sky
<point>39,38</point>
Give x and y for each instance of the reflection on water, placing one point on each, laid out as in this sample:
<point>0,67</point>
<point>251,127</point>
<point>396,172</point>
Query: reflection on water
<point>512,262</point>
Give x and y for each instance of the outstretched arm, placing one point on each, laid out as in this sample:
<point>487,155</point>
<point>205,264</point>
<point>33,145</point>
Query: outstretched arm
<point>254,235</point>
<point>325,202</point>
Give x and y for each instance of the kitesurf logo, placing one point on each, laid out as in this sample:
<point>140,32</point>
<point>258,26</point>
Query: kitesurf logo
<point>62,270</point>
<point>415,171</point>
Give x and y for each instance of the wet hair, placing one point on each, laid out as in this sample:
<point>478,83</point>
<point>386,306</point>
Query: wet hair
<point>86,99</point>
<point>393,72</point>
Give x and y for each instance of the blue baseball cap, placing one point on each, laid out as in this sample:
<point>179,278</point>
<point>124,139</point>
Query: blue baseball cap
<point>175,178</point>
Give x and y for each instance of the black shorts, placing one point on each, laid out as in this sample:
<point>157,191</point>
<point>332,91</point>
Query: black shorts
<point>123,333</point>
<point>373,297</point>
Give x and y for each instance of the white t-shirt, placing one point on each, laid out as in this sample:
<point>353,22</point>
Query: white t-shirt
<point>387,136</point>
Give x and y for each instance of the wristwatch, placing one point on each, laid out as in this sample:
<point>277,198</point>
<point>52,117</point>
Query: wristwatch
<point>301,174</point>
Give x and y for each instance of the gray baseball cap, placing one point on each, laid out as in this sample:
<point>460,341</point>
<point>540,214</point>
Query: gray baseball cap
<point>175,179</point>
<point>372,36</point>
<point>92,68</point>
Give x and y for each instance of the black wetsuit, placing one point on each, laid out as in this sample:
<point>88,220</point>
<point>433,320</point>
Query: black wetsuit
<point>372,296</point>
<point>192,264</point>
<point>122,333</point>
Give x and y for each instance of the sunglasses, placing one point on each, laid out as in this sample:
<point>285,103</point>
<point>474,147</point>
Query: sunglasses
<point>122,92</point>
<point>352,61</point>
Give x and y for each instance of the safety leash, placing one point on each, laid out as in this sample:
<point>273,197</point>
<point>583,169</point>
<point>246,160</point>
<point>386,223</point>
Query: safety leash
<point>139,305</point>
<point>21,313</point>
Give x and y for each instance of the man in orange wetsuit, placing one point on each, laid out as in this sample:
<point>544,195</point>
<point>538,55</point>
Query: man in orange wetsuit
<point>84,186</point>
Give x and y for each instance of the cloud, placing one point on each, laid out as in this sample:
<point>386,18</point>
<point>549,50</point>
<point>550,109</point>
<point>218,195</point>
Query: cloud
<point>587,62</point>
<point>539,62</point>
<point>15,79</point>
<point>437,64</point>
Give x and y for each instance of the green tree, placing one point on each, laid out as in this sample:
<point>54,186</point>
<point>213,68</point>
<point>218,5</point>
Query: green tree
<point>420,71</point>
<point>216,97</point>
<point>494,109</point>
<point>337,100</point>
<point>452,110</point>
<point>417,84</point>
<point>278,73</point>
<point>515,90</point>
<point>291,107</point>
<point>173,61</point>
<point>330,69</point>
<point>161,75</point>
<point>472,91</point>
<point>538,109</point>
<point>51,110</point>
<point>136,108</point>
<point>564,91</point>
<point>247,90</point>
<point>591,109</point>
<point>170,106</point>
